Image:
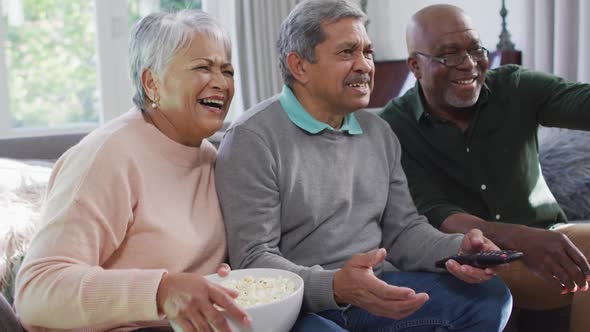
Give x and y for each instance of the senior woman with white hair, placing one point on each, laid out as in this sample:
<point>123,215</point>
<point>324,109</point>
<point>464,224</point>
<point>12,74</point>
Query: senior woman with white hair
<point>131,221</point>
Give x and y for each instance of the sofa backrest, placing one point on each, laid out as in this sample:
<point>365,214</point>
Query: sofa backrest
<point>42,147</point>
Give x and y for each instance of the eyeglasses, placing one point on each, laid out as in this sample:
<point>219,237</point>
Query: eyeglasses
<point>454,60</point>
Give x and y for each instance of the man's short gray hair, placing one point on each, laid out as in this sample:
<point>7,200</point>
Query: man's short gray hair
<point>302,29</point>
<point>157,38</point>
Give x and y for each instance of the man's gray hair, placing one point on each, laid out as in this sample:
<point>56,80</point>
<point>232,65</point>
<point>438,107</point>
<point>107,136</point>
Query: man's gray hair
<point>302,29</point>
<point>157,38</point>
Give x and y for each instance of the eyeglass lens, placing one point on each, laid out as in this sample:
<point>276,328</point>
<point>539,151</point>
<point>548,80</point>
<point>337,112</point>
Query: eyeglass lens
<point>457,59</point>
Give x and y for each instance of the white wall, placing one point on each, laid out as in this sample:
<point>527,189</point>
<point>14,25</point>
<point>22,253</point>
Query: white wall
<point>388,19</point>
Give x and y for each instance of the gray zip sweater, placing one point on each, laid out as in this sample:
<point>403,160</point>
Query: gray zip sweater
<point>308,202</point>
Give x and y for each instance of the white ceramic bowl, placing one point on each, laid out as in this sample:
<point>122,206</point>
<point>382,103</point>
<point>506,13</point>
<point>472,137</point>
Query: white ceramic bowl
<point>278,316</point>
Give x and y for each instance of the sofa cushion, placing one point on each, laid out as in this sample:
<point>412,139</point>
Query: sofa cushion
<point>565,162</point>
<point>22,189</point>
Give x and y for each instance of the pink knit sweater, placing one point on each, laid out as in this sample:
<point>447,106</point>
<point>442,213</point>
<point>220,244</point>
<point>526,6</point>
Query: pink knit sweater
<point>123,206</point>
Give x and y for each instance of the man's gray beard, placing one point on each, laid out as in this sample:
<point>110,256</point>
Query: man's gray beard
<point>461,103</point>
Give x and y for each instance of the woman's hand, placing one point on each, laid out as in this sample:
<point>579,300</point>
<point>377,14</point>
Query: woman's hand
<point>223,270</point>
<point>188,302</point>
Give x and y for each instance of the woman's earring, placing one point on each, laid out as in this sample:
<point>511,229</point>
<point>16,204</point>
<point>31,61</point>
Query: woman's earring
<point>154,105</point>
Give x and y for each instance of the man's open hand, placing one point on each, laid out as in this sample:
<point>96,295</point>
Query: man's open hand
<point>356,284</point>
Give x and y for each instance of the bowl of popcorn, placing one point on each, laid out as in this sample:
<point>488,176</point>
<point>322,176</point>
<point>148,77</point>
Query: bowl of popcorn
<point>271,297</point>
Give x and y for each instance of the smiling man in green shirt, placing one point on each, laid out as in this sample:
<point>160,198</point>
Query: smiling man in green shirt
<point>470,153</point>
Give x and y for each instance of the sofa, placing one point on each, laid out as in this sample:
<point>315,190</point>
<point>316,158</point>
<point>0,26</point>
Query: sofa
<point>564,155</point>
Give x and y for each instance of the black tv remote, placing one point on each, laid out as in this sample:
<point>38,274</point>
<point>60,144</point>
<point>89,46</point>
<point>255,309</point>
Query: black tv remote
<point>483,259</point>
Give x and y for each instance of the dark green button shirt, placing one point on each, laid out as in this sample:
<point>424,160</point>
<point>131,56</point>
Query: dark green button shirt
<point>491,170</point>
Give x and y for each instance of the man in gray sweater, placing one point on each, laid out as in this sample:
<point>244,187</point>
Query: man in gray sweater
<point>307,185</point>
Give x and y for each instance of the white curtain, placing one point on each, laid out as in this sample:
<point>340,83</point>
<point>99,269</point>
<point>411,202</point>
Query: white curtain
<point>258,23</point>
<point>254,28</point>
<point>559,40</point>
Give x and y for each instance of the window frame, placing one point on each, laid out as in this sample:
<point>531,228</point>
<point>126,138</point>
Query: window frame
<point>112,37</point>
<point>4,111</point>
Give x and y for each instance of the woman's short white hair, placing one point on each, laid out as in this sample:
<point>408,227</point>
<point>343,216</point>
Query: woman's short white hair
<point>157,38</point>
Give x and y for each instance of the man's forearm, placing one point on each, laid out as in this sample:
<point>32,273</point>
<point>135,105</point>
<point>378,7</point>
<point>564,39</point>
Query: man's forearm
<point>500,233</point>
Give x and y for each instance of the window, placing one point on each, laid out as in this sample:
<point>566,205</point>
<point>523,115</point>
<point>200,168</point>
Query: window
<point>50,64</point>
<point>63,63</point>
<point>140,8</point>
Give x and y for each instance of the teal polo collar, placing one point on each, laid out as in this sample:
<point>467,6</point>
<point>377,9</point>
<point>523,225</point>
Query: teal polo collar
<point>299,116</point>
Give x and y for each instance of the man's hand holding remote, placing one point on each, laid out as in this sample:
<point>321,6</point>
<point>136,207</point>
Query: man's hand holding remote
<point>474,241</point>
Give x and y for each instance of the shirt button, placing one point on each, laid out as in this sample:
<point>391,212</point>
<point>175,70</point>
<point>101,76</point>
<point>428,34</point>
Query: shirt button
<point>483,187</point>
<point>498,217</point>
